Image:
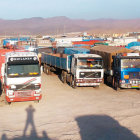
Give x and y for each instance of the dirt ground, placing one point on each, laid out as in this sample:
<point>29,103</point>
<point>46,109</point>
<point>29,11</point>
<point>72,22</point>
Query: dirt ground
<point>84,113</point>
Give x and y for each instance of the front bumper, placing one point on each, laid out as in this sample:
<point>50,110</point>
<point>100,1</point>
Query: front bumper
<point>130,85</point>
<point>21,96</point>
<point>23,99</point>
<point>88,82</point>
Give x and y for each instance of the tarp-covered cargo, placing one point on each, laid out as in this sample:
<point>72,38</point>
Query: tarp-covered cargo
<point>107,52</point>
<point>132,44</point>
<point>71,51</point>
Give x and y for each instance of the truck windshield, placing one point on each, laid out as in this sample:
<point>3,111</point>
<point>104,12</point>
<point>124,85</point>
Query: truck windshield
<point>23,70</point>
<point>91,63</point>
<point>130,63</point>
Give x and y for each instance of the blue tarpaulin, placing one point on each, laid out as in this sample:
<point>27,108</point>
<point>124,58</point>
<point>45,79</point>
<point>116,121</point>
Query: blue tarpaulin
<point>132,44</point>
<point>5,42</point>
<point>71,51</point>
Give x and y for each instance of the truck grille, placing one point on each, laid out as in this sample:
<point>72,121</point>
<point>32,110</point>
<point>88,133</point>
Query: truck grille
<point>27,87</point>
<point>24,93</point>
<point>90,75</point>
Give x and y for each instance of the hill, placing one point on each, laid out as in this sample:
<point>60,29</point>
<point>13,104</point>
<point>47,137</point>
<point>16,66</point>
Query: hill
<point>56,25</point>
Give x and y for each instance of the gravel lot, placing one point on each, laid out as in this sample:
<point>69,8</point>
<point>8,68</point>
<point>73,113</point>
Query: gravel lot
<point>84,113</point>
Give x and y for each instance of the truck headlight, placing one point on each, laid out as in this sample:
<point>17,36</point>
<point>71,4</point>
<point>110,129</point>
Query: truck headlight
<point>123,81</point>
<point>10,93</point>
<point>37,86</point>
<point>13,87</point>
<point>82,73</point>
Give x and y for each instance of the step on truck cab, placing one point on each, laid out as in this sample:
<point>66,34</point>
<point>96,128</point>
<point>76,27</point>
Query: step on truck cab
<point>21,77</point>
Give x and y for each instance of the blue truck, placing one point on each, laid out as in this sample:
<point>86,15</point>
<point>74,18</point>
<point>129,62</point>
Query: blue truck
<point>121,66</point>
<point>76,66</point>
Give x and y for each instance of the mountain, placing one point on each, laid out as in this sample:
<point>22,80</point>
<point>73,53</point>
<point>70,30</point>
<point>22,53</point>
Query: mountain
<point>57,25</point>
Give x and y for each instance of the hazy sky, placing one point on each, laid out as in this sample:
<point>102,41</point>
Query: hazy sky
<point>85,9</point>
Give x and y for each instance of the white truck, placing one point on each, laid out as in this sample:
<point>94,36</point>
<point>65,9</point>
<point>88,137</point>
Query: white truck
<point>81,69</point>
<point>20,77</point>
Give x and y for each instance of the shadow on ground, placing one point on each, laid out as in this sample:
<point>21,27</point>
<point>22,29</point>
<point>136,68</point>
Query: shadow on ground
<point>29,122</point>
<point>97,127</point>
<point>92,127</point>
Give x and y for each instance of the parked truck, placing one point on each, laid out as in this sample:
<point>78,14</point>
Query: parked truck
<point>121,66</point>
<point>20,76</point>
<point>76,66</point>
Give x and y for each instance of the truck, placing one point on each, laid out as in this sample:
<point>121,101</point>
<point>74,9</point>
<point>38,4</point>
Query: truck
<point>20,76</point>
<point>75,66</point>
<point>121,66</point>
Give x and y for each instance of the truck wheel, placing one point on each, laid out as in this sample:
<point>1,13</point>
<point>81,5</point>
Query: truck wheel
<point>73,85</point>
<point>1,88</point>
<point>36,101</point>
<point>44,68</point>
<point>116,85</point>
<point>96,87</point>
<point>7,103</point>
<point>48,71</point>
<point>63,76</point>
<point>105,79</point>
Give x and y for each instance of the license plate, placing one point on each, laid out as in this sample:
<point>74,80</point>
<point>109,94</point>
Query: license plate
<point>24,94</point>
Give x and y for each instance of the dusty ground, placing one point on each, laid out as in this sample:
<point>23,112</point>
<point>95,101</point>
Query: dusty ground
<point>73,114</point>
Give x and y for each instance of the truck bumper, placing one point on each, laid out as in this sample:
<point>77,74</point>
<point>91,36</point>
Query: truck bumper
<point>130,86</point>
<point>87,84</point>
<point>21,99</point>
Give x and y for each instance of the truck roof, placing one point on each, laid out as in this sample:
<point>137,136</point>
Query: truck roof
<point>18,54</point>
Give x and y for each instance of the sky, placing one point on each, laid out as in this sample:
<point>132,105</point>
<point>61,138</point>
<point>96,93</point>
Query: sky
<point>75,9</point>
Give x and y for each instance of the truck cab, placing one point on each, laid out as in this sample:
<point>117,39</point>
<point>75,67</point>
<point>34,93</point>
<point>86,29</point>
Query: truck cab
<point>126,70</point>
<point>87,69</point>
<point>22,77</point>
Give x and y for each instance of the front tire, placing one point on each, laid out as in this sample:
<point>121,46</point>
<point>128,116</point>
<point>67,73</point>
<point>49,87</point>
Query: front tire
<point>7,103</point>
<point>36,101</point>
<point>116,84</point>
<point>73,84</point>
<point>63,77</point>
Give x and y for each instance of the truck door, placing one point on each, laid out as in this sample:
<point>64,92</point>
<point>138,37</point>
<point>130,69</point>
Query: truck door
<point>116,67</point>
<point>73,66</point>
<point>3,71</point>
